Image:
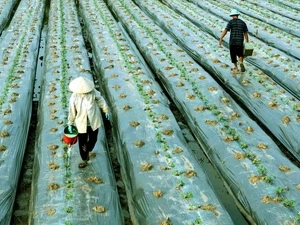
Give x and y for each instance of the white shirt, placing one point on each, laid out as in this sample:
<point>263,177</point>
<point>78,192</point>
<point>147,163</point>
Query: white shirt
<point>84,108</point>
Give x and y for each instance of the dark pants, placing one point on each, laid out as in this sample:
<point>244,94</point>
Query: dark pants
<point>87,142</point>
<point>236,51</point>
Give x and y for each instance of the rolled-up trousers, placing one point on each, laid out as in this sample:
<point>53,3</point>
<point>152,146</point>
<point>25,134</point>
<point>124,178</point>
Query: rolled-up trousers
<point>86,142</point>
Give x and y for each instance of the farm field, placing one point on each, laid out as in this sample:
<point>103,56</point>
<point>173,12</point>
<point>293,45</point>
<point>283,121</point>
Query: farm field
<point>188,142</point>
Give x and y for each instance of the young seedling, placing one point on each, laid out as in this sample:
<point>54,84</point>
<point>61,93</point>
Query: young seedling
<point>168,155</point>
<point>187,195</point>
<point>198,221</point>
<point>192,207</point>
<point>243,145</point>
<point>69,209</point>
<point>171,164</point>
<point>288,203</point>
<point>176,173</point>
<point>180,183</point>
<point>69,195</point>
<point>269,179</point>
<point>69,184</point>
<point>280,191</point>
<point>262,170</point>
<point>68,223</point>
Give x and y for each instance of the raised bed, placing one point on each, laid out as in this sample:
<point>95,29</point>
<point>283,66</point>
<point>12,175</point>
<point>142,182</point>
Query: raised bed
<point>284,69</point>
<point>163,181</point>
<point>271,35</point>
<point>274,19</point>
<point>292,3</point>
<point>62,193</point>
<point>249,160</point>
<point>270,103</point>
<point>6,8</point>
<point>278,7</point>
<point>18,55</point>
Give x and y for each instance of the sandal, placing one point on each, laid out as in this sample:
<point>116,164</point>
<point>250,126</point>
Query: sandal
<point>82,164</point>
<point>92,155</point>
<point>235,71</point>
<point>242,67</point>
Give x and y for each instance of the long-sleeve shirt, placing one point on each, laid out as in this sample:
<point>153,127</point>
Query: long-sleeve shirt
<point>84,110</point>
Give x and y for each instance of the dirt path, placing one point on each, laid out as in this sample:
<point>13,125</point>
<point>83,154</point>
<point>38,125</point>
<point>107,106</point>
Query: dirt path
<point>21,206</point>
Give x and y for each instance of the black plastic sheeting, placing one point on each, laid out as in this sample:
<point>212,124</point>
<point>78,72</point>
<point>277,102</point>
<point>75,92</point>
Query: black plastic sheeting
<point>273,62</point>
<point>19,49</point>
<point>163,181</point>
<point>269,34</point>
<point>273,106</point>
<point>224,130</point>
<point>62,193</point>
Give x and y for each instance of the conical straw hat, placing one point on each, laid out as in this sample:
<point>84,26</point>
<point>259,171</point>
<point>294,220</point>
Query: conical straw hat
<point>81,85</point>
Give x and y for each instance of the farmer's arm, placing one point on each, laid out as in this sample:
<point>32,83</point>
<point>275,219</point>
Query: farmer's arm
<point>245,30</point>
<point>72,111</point>
<point>101,101</point>
<point>221,38</point>
<point>246,36</point>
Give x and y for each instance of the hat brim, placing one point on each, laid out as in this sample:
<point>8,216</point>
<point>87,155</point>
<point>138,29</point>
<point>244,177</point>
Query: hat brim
<point>81,85</point>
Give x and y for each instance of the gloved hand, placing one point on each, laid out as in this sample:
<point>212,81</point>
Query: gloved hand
<point>70,128</point>
<point>107,116</point>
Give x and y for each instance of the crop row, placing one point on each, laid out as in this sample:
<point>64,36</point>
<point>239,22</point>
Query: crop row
<point>247,158</point>
<point>292,3</point>
<point>284,69</point>
<point>164,183</point>
<point>61,192</point>
<point>19,48</point>
<point>6,8</point>
<point>279,8</point>
<point>274,19</point>
<point>272,105</point>
<point>271,35</point>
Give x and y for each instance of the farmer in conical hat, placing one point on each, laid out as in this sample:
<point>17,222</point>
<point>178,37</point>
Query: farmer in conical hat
<point>84,112</point>
<point>238,32</point>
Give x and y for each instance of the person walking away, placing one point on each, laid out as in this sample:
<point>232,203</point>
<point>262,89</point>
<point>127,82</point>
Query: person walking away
<point>84,111</point>
<point>238,32</point>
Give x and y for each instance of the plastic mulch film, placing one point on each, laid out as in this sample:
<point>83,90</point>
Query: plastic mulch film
<point>62,193</point>
<point>275,63</point>
<point>282,22</point>
<point>255,168</point>
<point>18,55</point>
<point>6,8</point>
<point>271,104</point>
<point>279,8</point>
<point>292,3</point>
<point>163,181</point>
<point>271,35</point>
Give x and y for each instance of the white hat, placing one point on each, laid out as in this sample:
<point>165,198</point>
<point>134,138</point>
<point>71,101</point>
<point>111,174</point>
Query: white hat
<point>81,85</point>
<point>234,12</point>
